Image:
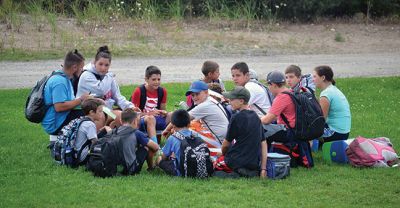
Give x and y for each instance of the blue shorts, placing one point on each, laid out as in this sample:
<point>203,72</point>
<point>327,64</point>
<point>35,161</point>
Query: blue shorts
<point>161,124</point>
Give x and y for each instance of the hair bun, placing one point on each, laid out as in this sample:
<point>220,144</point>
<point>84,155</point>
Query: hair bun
<point>103,49</point>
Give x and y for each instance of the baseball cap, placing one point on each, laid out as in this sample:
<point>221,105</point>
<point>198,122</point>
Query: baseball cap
<point>197,86</point>
<point>238,93</point>
<point>276,77</point>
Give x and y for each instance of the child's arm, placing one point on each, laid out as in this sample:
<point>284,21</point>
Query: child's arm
<point>225,146</point>
<point>264,154</point>
<point>267,119</point>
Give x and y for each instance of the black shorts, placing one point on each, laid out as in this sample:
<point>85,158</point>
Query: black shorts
<point>141,155</point>
<point>168,166</point>
<point>73,114</point>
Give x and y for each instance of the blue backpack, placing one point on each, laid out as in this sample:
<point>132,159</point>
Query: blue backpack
<point>64,152</point>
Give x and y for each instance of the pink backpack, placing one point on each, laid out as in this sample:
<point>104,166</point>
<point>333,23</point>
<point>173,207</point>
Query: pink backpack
<point>377,152</point>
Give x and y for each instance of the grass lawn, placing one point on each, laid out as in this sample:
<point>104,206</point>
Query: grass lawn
<point>28,178</point>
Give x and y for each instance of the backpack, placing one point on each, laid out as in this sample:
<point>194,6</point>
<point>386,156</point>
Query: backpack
<point>104,156</point>
<point>64,151</point>
<point>306,81</point>
<point>299,152</point>
<point>378,152</point>
<point>310,121</point>
<point>35,108</point>
<point>195,160</point>
<point>143,96</point>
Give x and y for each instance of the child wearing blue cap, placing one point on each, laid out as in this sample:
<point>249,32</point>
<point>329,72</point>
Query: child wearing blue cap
<point>208,111</point>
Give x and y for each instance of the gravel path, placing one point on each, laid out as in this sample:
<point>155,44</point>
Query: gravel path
<point>131,70</point>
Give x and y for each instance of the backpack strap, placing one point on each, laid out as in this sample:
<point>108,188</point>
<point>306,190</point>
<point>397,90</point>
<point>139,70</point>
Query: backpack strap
<point>221,108</point>
<point>160,94</point>
<point>265,89</point>
<point>98,77</point>
<point>219,140</point>
<point>260,109</point>
<point>143,96</point>
<point>283,116</point>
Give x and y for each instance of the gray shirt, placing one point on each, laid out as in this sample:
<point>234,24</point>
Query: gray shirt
<point>213,114</point>
<point>87,131</point>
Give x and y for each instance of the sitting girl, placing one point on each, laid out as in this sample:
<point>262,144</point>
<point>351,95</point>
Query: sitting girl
<point>99,82</point>
<point>334,105</point>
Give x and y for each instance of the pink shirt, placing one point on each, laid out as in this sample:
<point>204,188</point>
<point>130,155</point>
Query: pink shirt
<point>283,104</point>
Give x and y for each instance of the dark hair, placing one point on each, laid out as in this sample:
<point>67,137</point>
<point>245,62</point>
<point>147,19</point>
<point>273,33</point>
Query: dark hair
<point>294,70</point>
<point>216,87</point>
<point>150,70</point>
<point>103,52</point>
<point>91,104</point>
<point>180,118</point>
<point>242,67</point>
<point>325,71</point>
<point>128,115</point>
<point>209,66</point>
<point>73,58</point>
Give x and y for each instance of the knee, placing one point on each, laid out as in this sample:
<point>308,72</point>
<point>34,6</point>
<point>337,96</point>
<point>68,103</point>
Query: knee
<point>149,119</point>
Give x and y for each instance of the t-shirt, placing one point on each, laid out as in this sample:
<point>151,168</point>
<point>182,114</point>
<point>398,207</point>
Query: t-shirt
<point>58,89</point>
<point>173,145</point>
<point>257,96</point>
<point>246,129</point>
<point>86,132</point>
<point>151,99</point>
<point>213,114</point>
<point>283,104</point>
<point>339,116</point>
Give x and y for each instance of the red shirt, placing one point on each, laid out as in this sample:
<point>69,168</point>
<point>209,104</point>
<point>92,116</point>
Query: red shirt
<point>283,104</point>
<point>151,99</point>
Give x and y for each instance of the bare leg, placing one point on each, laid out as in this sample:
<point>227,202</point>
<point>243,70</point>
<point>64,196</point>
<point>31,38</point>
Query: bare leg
<point>151,125</point>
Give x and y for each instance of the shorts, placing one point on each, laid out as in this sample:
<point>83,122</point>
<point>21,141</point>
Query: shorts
<point>169,167</point>
<point>141,155</point>
<point>161,124</point>
<point>330,135</point>
<point>73,114</point>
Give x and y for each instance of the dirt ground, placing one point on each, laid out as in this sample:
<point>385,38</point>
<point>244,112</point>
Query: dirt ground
<point>179,48</point>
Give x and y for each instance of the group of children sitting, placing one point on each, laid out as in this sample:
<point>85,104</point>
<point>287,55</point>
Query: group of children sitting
<point>240,126</point>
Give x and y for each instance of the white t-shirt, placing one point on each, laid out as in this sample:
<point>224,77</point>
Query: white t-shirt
<point>258,96</point>
<point>87,131</point>
<point>212,114</point>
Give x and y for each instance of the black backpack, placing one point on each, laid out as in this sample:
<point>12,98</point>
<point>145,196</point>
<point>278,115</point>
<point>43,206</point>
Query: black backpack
<point>143,97</point>
<point>310,121</point>
<point>104,156</point>
<point>195,158</point>
<point>35,108</point>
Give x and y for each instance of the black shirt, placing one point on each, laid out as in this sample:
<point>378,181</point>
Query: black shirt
<point>246,128</point>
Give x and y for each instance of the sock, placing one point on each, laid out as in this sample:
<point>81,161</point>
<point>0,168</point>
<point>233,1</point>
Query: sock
<point>154,139</point>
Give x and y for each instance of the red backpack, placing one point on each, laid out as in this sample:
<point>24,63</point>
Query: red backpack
<point>377,152</point>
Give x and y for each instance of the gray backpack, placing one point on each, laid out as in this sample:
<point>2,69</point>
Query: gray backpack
<point>35,108</point>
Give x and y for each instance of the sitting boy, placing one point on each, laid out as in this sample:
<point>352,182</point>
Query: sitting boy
<point>259,101</point>
<point>87,132</point>
<point>171,152</point>
<point>152,100</point>
<point>243,157</point>
<point>207,110</point>
<point>136,147</point>
<point>295,79</point>
<point>210,70</point>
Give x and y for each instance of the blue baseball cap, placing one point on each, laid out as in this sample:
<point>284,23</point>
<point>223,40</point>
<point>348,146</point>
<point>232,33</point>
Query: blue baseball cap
<point>197,86</point>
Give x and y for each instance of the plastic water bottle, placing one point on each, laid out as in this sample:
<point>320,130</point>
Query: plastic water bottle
<point>183,105</point>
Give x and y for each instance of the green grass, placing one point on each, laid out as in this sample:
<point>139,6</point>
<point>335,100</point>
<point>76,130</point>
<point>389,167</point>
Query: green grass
<point>28,178</point>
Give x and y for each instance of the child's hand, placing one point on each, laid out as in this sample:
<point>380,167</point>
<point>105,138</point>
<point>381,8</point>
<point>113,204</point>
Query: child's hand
<point>108,129</point>
<point>263,173</point>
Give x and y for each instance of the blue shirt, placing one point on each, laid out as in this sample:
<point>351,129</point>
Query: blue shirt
<point>339,117</point>
<point>58,89</point>
<point>173,145</point>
